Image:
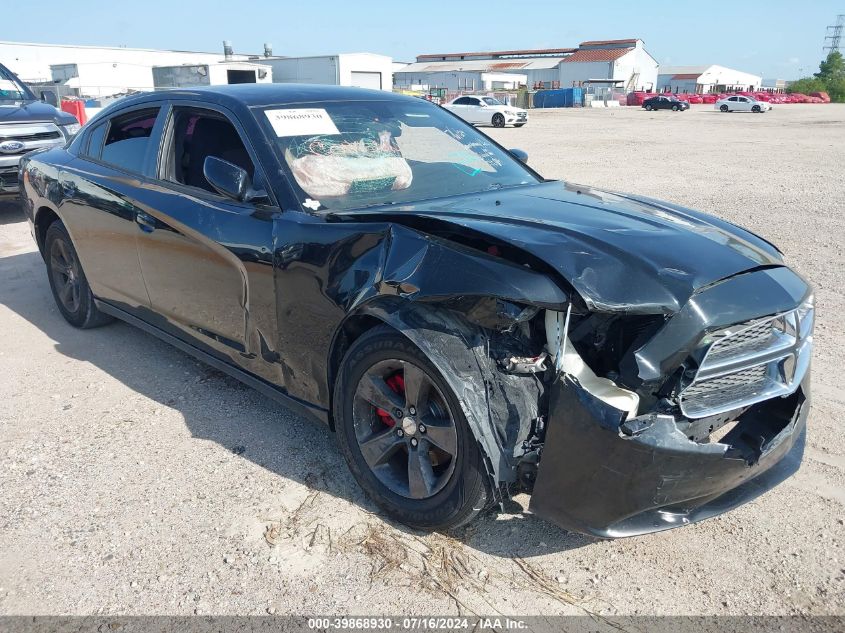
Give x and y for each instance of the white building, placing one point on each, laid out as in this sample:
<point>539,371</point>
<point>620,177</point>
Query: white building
<point>619,64</point>
<point>95,70</point>
<point>458,80</point>
<point>706,79</point>
<point>622,65</point>
<point>363,70</point>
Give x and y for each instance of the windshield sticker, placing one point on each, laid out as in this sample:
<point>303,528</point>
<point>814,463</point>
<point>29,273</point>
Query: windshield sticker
<point>301,122</point>
<point>314,205</point>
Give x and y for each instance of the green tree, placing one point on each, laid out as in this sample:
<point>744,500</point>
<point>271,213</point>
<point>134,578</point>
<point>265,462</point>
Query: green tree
<point>806,85</point>
<point>836,90</point>
<point>832,68</point>
<point>829,79</point>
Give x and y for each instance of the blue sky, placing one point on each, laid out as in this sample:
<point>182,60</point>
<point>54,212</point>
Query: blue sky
<point>774,38</point>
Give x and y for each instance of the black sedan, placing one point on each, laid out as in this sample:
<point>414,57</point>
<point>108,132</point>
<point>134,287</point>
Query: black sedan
<point>664,102</point>
<point>466,328</point>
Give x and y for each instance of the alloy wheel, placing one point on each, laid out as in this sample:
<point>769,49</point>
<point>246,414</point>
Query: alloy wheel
<point>404,428</point>
<point>64,268</point>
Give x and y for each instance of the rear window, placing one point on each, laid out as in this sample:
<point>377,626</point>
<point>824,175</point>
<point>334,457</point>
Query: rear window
<point>128,140</point>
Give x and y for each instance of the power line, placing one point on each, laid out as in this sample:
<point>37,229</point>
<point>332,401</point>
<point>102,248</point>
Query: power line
<point>834,34</point>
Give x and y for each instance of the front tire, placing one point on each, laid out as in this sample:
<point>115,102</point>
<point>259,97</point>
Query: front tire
<point>68,282</point>
<point>404,435</point>
<point>756,109</point>
<point>674,108</point>
<point>498,120</point>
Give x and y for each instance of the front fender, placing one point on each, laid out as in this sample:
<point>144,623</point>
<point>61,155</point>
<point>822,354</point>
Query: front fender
<point>499,407</point>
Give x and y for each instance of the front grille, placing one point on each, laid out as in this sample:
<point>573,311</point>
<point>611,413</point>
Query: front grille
<point>39,136</point>
<point>751,362</point>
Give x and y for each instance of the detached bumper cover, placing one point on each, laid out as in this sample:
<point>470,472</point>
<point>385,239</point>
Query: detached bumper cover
<point>596,480</point>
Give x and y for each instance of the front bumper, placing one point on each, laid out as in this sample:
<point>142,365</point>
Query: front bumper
<point>518,119</point>
<point>595,479</point>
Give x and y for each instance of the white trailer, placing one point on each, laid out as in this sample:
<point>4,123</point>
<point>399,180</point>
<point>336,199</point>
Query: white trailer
<point>219,74</point>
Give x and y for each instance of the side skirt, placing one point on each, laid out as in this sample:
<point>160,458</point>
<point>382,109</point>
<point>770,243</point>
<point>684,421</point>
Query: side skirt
<point>295,405</point>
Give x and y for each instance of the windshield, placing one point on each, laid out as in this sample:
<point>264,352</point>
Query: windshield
<point>11,90</point>
<point>491,101</point>
<point>354,154</point>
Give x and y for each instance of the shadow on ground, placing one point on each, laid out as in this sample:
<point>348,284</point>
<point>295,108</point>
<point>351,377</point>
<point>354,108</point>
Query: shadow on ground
<point>10,211</point>
<point>265,433</point>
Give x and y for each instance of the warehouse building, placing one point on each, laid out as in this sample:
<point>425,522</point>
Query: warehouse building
<point>471,77</point>
<point>601,65</point>
<point>706,79</point>
<point>95,71</point>
<point>362,70</point>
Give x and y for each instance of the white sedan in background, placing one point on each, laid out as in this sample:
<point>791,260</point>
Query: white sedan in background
<point>740,103</point>
<point>487,111</point>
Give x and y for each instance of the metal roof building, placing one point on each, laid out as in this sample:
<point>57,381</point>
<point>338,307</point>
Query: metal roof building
<point>619,64</point>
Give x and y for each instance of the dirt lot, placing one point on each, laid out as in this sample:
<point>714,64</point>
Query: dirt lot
<point>135,480</point>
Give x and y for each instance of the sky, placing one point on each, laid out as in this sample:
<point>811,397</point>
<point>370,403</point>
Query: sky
<point>773,38</point>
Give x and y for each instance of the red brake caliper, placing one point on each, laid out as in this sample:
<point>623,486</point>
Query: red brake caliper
<point>397,384</point>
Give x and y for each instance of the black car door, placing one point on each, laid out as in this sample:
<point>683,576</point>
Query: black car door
<point>102,192</point>
<point>207,259</point>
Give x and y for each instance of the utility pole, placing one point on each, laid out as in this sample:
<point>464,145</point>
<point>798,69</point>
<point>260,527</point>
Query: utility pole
<point>834,34</point>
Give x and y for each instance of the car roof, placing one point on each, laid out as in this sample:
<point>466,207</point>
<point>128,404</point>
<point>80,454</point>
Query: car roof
<point>257,95</point>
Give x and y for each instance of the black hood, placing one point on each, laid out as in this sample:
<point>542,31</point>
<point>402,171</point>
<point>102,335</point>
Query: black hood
<point>31,111</point>
<point>621,253</point>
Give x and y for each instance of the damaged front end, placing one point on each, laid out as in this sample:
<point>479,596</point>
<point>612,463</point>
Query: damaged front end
<point>706,414</point>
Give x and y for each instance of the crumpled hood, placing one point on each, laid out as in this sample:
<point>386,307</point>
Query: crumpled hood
<point>619,252</point>
<point>33,111</point>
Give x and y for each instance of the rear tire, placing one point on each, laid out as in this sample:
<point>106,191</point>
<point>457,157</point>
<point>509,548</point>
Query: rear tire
<point>649,107</point>
<point>723,108</point>
<point>68,282</point>
<point>454,487</point>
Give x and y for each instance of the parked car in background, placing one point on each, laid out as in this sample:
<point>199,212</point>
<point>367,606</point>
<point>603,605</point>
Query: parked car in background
<point>27,122</point>
<point>467,328</point>
<point>664,102</point>
<point>740,103</point>
<point>487,111</point>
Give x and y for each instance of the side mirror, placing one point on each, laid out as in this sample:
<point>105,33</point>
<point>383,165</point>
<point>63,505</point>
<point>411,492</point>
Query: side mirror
<point>48,96</point>
<point>230,180</point>
<point>519,155</point>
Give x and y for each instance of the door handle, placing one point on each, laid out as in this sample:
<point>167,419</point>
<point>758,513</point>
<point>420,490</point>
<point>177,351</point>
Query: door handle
<point>145,222</point>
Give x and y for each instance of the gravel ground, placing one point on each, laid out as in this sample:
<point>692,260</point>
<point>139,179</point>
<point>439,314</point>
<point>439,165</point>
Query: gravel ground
<point>135,480</point>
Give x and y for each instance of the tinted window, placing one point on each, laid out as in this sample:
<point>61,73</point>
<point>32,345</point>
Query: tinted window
<point>463,101</point>
<point>474,102</point>
<point>128,140</point>
<point>95,140</point>
<point>198,134</point>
